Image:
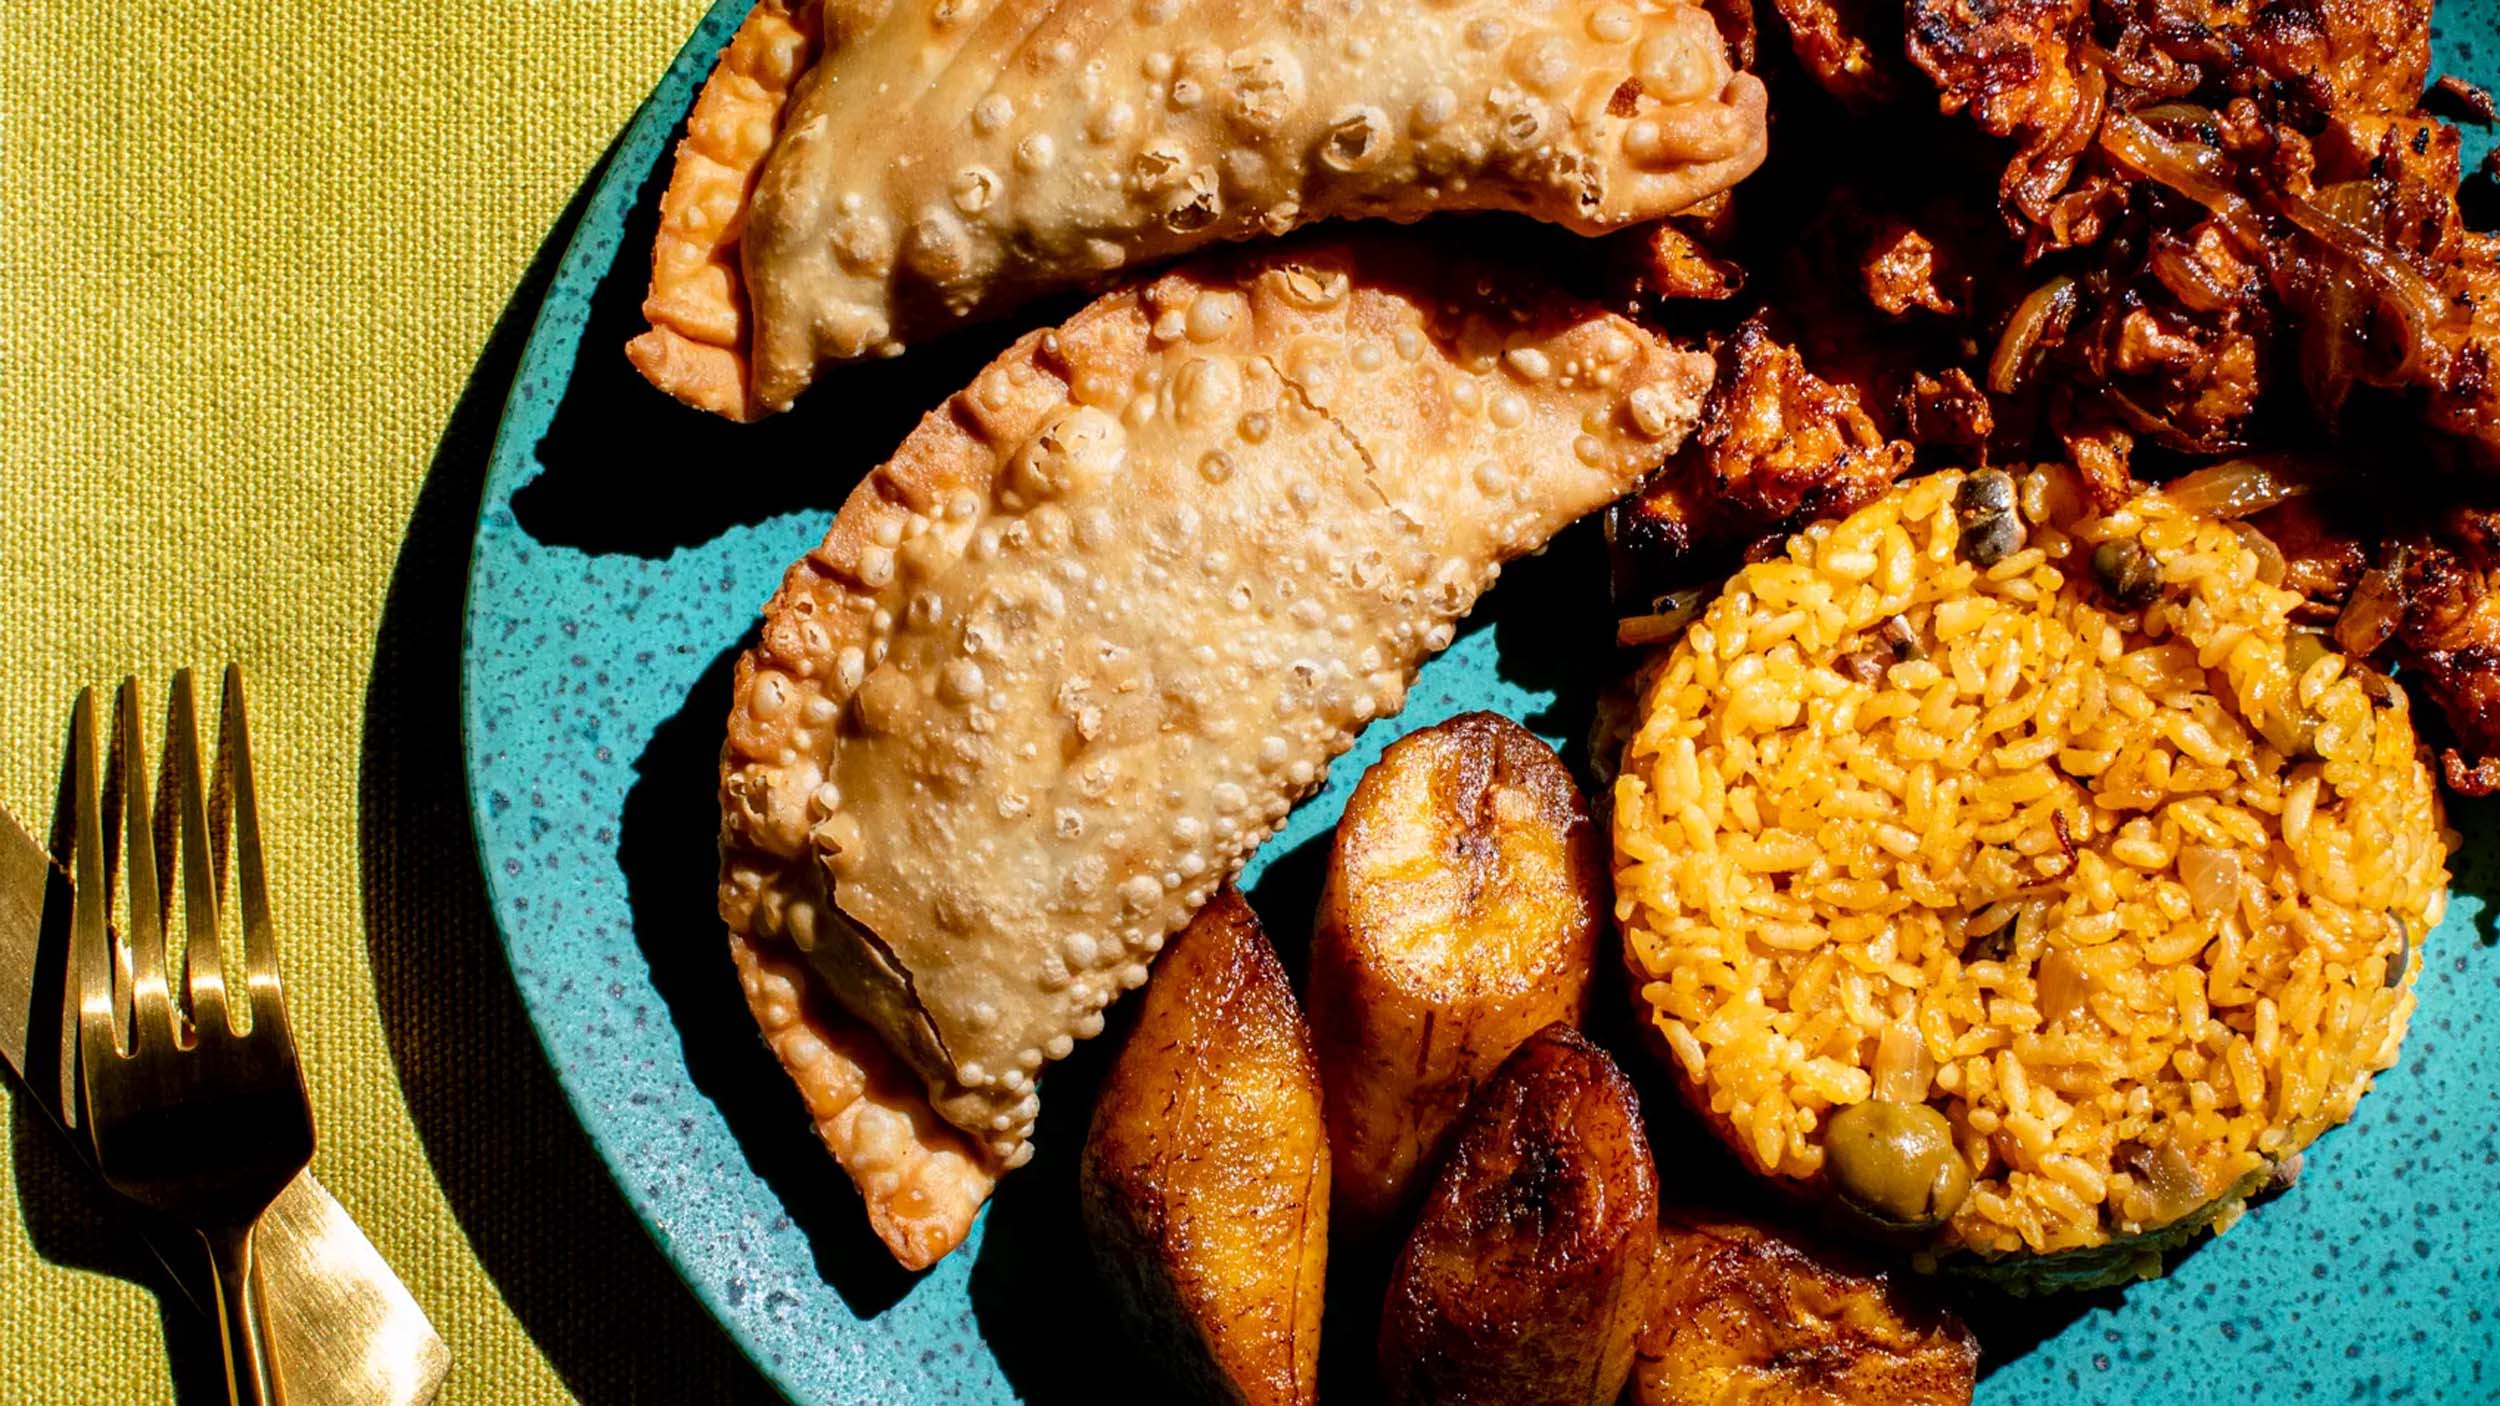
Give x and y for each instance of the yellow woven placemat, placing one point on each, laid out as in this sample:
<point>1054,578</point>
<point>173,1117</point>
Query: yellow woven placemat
<point>249,257</point>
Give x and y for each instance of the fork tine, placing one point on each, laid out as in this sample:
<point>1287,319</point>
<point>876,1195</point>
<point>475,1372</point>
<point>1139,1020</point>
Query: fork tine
<point>90,965</point>
<point>161,828</point>
<point>260,942</point>
<point>143,926</point>
<point>203,970</point>
<point>109,817</point>
<point>220,804</point>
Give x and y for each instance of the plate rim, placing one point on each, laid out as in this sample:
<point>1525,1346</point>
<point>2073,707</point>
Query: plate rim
<point>652,128</point>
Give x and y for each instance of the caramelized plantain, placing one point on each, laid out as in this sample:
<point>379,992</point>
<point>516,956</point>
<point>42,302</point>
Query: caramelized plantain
<point>1460,915</point>
<point>1526,1278</point>
<point>1743,1313</point>
<point>1205,1174</point>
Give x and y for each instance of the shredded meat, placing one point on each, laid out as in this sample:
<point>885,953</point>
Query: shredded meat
<point>2467,402</point>
<point>1880,294</point>
<point>2443,574</point>
<point>2016,67</point>
<point>2368,54</point>
<point>2323,558</point>
<point>2270,245</point>
<point>1851,48</point>
<point>2225,170</point>
<point>1901,272</point>
<point>1678,257</point>
<point>1948,409</point>
<point>1777,446</point>
<point>2219,228</point>
<point>2172,338</point>
<point>2104,454</point>
<point>2454,97</point>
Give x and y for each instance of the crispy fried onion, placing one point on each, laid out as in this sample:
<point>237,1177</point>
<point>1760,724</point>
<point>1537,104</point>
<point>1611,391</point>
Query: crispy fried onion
<point>1665,622</point>
<point>2190,279</point>
<point>2238,488</point>
<point>2362,266</point>
<point>2193,169</point>
<point>2369,315</point>
<point>2042,315</point>
<point>2050,165</point>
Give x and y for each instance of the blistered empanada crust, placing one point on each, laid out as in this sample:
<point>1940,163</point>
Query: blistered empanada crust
<point>696,347</point>
<point>1067,658</point>
<point>944,160</point>
<point>921,1180</point>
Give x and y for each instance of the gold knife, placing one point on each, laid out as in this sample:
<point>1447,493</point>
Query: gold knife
<point>346,1328</point>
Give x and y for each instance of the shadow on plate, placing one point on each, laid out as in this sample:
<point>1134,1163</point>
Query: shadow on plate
<point>628,470</point>
<point>1553,631</point>
<point>528,1190</point>
<point>1044,1313</point>
<point>2476,867</point>
<point>667,846</point>
<point>1286,898</point>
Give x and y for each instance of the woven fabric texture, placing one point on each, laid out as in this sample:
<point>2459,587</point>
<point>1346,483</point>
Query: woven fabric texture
<point>261,268</point>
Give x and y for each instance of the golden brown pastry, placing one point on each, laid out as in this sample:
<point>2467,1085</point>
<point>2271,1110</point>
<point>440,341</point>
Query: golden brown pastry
<point>885,172</point>
<point>921,1180</point>
<point>1066,659</point>
<point>696,348</point>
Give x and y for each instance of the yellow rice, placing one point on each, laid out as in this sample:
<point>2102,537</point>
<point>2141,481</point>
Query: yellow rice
<point>1814,874</point>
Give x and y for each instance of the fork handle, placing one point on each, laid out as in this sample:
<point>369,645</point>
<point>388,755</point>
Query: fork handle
<point>251,1364</point>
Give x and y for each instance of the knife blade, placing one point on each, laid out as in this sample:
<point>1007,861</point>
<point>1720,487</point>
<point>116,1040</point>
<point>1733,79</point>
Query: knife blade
<point>26,875</point>
<point>348,1331</point>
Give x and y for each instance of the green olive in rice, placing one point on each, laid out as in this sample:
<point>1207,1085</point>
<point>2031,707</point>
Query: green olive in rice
<point>2064,848</point>
<point>1896,1163</point>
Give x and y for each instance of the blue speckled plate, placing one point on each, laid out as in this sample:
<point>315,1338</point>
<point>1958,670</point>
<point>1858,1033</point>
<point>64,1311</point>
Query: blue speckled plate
<point>623,549</point>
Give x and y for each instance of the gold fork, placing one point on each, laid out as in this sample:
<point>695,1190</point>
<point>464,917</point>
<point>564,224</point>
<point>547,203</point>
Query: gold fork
<point>192,1117</point>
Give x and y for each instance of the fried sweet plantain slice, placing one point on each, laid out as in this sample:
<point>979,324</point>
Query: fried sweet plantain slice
<point>1742,1312</point>
<point>1064,661</point>
<point>1460,916</point>
<point>1527,1273</point>
<point>936,162</point>
<point>1205,1183</point>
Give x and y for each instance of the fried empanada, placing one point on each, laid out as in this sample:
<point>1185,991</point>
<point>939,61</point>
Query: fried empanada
<point>921,1180</point>
<point>1069,656</point>
<point>696,348</point>
<point>859,176</point>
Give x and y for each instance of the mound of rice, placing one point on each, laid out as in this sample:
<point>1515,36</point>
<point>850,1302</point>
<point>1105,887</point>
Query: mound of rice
<point>2029,857</point>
